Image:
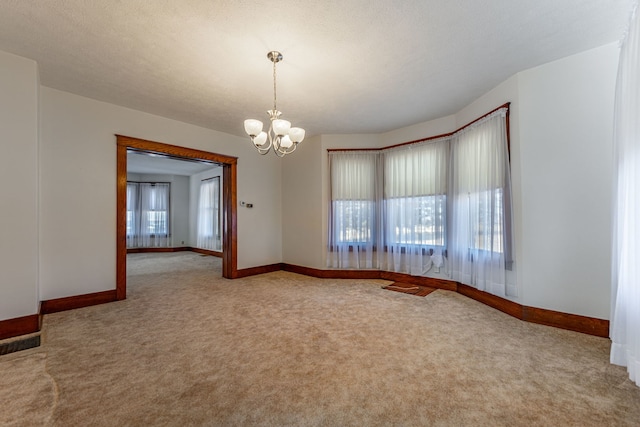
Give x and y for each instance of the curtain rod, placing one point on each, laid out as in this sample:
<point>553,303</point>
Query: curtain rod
<point>506,105</point>
<point>149,182</point>
<point>209,179</point>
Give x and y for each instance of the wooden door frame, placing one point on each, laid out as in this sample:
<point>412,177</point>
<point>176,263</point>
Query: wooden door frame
<point>229,194</point>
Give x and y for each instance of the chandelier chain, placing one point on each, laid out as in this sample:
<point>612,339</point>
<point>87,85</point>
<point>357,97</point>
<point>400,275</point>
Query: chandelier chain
<point>274,86</point>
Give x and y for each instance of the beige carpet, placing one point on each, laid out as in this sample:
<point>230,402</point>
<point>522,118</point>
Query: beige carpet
<point>190,348</point>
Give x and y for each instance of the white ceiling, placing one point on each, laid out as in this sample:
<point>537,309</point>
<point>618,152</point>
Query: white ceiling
<point>350,66</point>
<point>154,164</point>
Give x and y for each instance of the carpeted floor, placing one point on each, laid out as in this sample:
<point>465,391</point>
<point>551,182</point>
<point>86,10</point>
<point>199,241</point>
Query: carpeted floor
<point>190,348</point>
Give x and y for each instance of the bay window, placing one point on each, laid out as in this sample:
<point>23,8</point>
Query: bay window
<point>417,207</point>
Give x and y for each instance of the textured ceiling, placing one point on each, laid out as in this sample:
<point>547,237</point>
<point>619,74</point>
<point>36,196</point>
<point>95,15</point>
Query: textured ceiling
<point>350,66</point>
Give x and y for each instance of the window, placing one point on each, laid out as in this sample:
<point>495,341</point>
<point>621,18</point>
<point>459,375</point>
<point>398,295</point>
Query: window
<point>487,226</point>
<point>148,214</point>
<point>480,239</point>
<point>416,220</point>
<point>209,215</point>
<point>354,221</point>
<point>157,223</point>
<point>353,198</point>
<point>354,209</point>
<point>403,208</point>
<point>415,202</point>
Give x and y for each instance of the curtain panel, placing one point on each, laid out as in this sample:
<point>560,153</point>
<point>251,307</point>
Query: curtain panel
<point>148,215</point>
<point>625,286</point>
<point>419,207</point>
<point>415,187</point>
<point>354,215</point>
<point>479,238</point>
<point>208,227</point>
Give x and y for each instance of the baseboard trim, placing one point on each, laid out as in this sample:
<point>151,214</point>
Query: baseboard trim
<point>429,282</point>
<point>331,274</point>
<point>176,249</point>
<point>206,252</point>
<point>77,301</point>
<point>24,325</point>
<point>509,307</point>
<point>572,322</point>
<point>154,250</point>
<point>254,271</point>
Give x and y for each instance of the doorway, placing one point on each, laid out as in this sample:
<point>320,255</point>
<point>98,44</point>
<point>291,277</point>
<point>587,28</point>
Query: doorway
<point>229,192</point>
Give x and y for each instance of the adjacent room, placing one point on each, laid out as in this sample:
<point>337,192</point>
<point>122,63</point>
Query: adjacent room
<point>289,213</point>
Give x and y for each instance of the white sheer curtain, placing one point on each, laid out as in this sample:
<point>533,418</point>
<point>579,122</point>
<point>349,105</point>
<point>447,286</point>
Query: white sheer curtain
<point>154,215</point>
<point>415,186</point>
<point>625,307</point>
<point>440,202</point>
<point>133,217</point>
<point>208,230</point>
<point>148,214</point>
<point>479,241</point>
<point>353,226</point>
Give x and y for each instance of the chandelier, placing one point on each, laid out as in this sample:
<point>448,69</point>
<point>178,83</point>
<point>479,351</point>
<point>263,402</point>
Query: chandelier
<point>281,136</point>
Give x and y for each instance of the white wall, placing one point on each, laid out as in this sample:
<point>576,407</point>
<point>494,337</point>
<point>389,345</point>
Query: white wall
<point>418,131</point>
<point>302,207</point>
<point>566,131</point>
<point>194,195</point>
<point>78,193</point>
<point>178,203</point>
<point>19,87</point>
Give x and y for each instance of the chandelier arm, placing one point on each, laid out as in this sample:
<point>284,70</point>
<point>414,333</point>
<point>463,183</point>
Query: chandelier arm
<point>276,146</point>
<point>262,149</point>
<point>290,149</point>
<point>281,152</point>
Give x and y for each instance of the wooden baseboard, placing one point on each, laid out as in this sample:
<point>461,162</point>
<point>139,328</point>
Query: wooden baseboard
<point>429,282</point>
<point>332,274</point>
<point>511,308</point>
<point>253,271</point>
<point>572,322</point>
<point>152,250</point>
<point>19,326</point>
<point>206,252</point>
<point>371,274</point>
<point>77,301</point>
<point>176,249</point>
